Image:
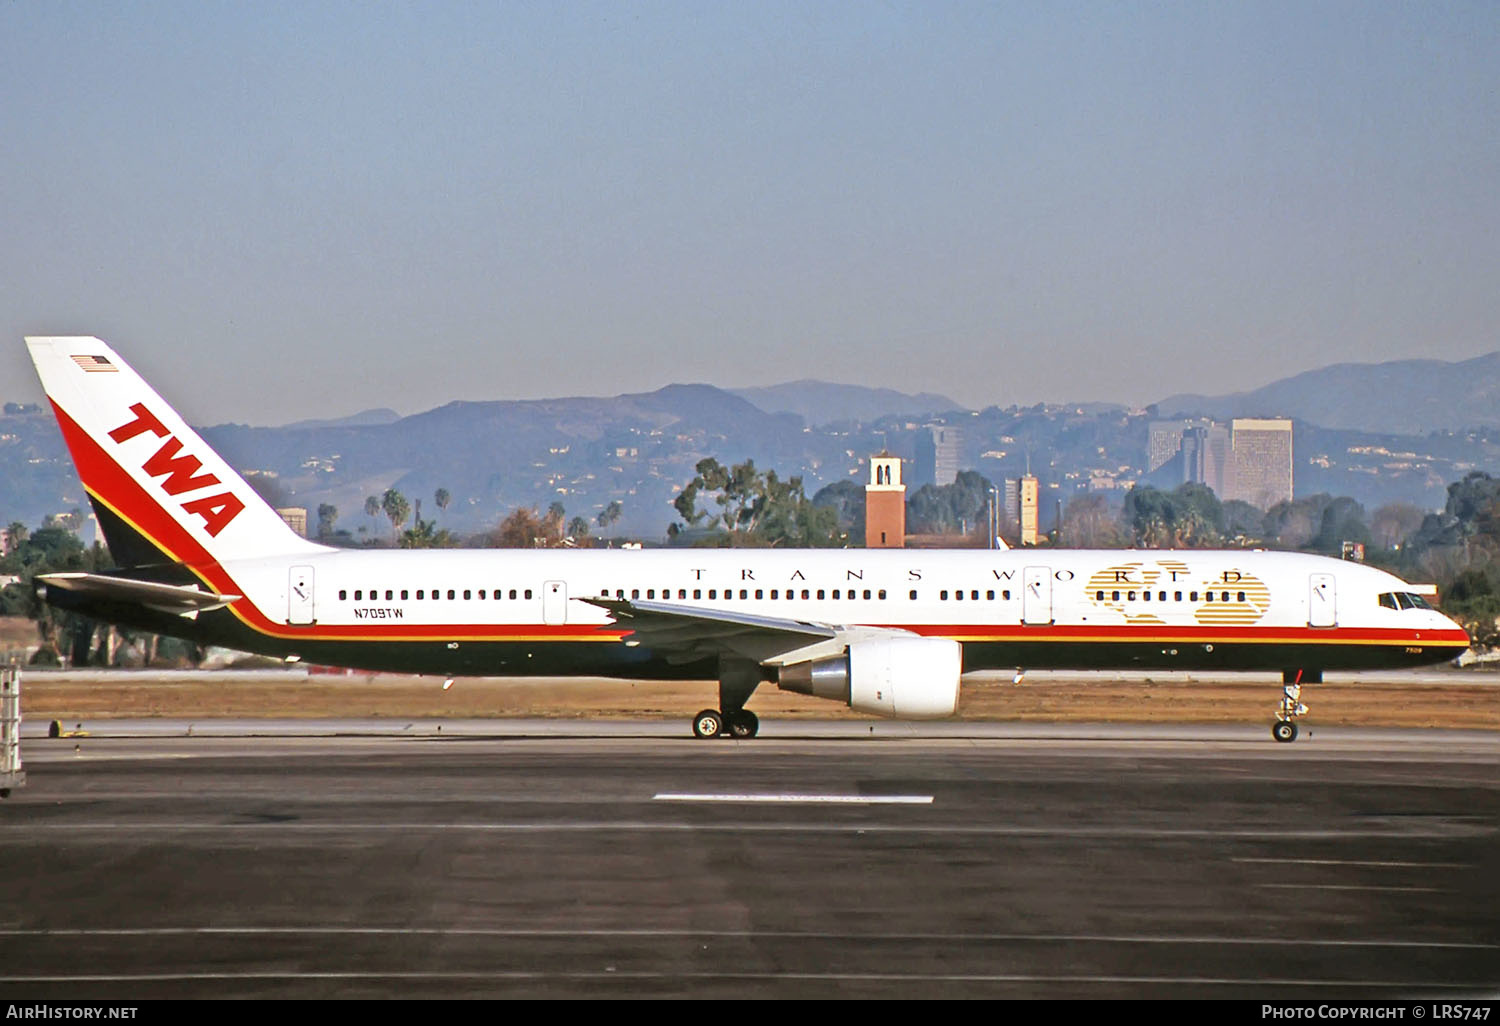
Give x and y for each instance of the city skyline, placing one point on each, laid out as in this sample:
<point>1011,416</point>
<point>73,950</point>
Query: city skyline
<point>338,208</point>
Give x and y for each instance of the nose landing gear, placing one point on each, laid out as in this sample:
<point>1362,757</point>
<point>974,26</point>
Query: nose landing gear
<point>1285,727</point>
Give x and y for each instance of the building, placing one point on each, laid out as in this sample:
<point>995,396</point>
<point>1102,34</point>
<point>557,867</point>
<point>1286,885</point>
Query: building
<point>939,455</point>
<point>1207,457</point>
<point>1021,506</point>
<point>1262,473</point>
<point>296,519</point>
<point>885,504</point>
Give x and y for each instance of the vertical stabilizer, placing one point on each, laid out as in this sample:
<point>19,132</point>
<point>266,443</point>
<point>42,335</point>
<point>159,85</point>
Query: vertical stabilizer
<point>160,491</point>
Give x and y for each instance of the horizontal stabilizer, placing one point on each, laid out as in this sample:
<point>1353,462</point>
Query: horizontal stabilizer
<point>178,599</point>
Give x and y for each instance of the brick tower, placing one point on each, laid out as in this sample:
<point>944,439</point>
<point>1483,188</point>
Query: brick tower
<point>885,504</point>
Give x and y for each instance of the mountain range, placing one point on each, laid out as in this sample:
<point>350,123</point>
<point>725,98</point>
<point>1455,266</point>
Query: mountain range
<point>1406,397</point>
<point>1383,432</point>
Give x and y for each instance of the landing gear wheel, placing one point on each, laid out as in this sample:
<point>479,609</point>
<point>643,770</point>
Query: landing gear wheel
<point>743,724</point>
<point>708,723</point>
<point>1284,730</point>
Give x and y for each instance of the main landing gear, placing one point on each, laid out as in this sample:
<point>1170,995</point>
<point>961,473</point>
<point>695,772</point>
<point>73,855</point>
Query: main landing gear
<point>737,682</point>
<point>1285,727</point>
<point>742,723</point>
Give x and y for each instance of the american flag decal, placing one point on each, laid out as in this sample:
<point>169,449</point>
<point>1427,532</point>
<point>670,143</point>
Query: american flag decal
<point>96,365</point>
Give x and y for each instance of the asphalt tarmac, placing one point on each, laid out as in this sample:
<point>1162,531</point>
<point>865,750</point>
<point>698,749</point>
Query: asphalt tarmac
<point>578,859</point>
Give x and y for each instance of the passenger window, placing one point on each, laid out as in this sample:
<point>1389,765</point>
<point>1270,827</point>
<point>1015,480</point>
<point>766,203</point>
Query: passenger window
<point>697,593</point>
<point>1192,596</point>
<point>775,593</point>
<point>807,594</point>
<point>467,594</point>
<point>343,595</point>
<point>912,595</point>
<point>867,593</point>
<point>1208,596</point>
<point>958,596</point>
<point>1241,597</point>
<point>713,593</point>
<point>403,595</point>
<point>1114,596</point>
<point>513,593</point>
<point>759,593</point>
<point>820,594</point>
<point>882,594</point>
<point>528,593</point>
<point>835,593</point>
<point>358,594</point>
<point>943,596</point>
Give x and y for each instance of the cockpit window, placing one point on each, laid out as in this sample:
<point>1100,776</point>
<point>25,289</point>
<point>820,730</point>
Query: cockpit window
<point>1403,600</point>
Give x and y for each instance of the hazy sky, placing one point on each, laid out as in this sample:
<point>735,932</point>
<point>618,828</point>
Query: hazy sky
<point>279,211</point>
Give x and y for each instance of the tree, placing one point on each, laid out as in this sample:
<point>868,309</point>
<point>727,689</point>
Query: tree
<point>424,535</point>
<point>396,508</point>
<point>442,498</point>
<point>1393,523</point>
<point>1090,523</point>
<point>522,529</point>
<point>1191,516</point>
<point>578,529</point>
<point>754,508</point>
<point>847,500</point>
<point>372,507</point>
<point>327,514</point>
<point>609,514</point>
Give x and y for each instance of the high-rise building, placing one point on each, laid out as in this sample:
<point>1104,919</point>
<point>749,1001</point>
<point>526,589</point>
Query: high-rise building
<point>939,455</point>
<point>1262,464</point>
<point>885,504</point>
<point>1207,457</point>
<point>1164,441</point>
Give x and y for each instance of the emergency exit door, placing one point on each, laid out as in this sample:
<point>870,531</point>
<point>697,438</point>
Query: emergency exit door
<point>1036,596</point>
<point>299,595</point>
<point>555,602</point>
<point>1322,601</point>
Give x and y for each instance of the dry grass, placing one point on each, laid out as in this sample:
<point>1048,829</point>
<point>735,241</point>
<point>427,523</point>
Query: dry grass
<point>1462,704</point>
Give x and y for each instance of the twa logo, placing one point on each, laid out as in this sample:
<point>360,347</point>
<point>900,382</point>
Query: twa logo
<point>181,472</point>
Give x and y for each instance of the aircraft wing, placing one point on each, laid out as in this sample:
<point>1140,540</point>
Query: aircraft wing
<point>688,633</point>
<point>181,600</point>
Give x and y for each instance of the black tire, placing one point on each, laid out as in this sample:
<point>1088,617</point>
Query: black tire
<point>1284,731</point>
<point>708,723</point>
<point>743,724</point>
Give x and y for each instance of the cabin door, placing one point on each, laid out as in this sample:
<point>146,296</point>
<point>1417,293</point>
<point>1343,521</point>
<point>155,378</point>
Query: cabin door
<point>1322,605</point>
<point>299,595</point>
<point>1036,596</point>
<point>555,602</point>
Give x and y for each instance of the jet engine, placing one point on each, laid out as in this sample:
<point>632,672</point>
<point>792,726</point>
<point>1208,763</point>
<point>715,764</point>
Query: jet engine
<point>909,678</point>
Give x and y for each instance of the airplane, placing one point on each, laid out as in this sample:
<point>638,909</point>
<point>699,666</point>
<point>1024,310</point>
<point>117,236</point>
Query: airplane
<point>886,632</point>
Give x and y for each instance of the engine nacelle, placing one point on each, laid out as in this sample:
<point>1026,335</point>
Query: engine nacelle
<point>906,677</point>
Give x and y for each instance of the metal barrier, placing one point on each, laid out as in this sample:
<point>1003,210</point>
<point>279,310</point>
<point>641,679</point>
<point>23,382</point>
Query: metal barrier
<point>11,774</point>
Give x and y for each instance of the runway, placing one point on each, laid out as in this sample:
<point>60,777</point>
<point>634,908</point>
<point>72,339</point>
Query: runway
<point>552,859</point>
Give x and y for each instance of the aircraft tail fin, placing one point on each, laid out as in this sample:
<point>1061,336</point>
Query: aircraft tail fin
<point>161,494</point>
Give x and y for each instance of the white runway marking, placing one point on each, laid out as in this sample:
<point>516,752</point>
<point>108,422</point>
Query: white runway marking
<point>797,799</point>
